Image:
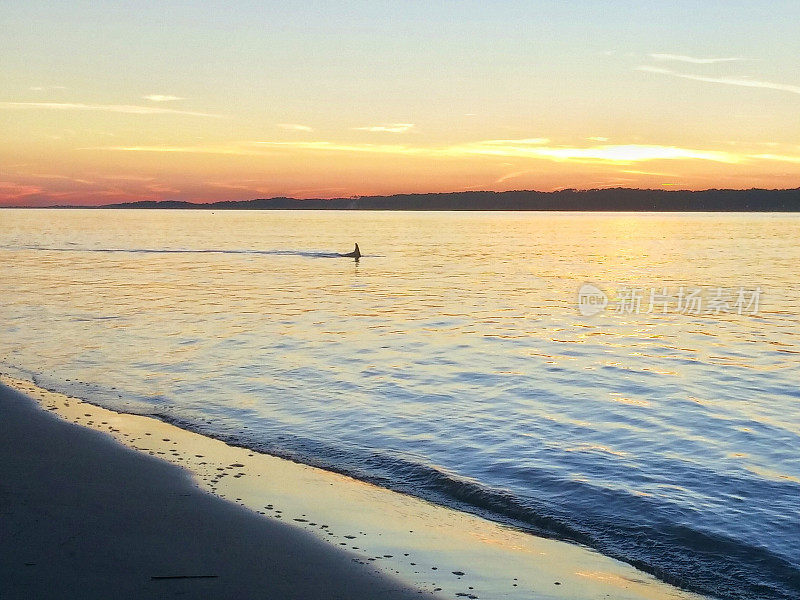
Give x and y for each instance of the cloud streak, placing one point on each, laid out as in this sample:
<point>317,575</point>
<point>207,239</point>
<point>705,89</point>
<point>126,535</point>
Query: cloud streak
<point>232,150</point>
<point>295,127</point>
<point>738,81</point>
<point>692,59</point>
<point>530,148</point>
<point>630,153</point>
<point>387,128</point>
<point>162,98</point>
<point>337,147</point>
<point>777,157</point>
<point>526,148</point>
<point>512,175</point>
<point>115,108</point>
<point>10,190</point>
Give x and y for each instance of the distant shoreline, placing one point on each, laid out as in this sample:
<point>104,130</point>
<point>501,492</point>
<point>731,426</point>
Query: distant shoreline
<point>600,200</point>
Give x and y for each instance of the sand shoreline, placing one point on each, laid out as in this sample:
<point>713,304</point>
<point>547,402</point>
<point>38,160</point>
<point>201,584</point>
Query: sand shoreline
<point>85,517</point>
<point>74,498</point>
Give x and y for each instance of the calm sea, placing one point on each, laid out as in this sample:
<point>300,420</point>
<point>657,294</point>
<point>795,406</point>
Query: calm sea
<point>452,361</point>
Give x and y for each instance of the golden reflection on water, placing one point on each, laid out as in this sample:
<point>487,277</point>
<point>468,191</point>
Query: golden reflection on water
<point>455,340</point>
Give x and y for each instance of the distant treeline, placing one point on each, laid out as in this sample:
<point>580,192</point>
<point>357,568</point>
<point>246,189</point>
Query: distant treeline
<point>615,199</point>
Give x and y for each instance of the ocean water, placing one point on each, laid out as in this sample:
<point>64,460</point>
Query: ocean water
<point>452,361</point>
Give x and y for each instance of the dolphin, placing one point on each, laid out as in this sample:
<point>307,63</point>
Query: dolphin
<point>354,254</point>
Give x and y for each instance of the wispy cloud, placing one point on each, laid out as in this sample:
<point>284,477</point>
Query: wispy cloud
<point>122,177</point>
<point>513,175</point>
<point>117,108</point>
<point>61,177</point>
<point>740,81</point>
<point>179,149</point>
<point>530,148</point>
<point>10,190</point>
<point>603,153</point>
<point>388,128</point>
<point>535,148</point>
<point>539,141</point>
<point>693,60</point>
<point>295,127</point>
<point>659,174</point>
<point>262,148</point>
<point>597,138</point>
<point>337,147</point>
<point>777,157</point>
<point>42,88</point>
<point>162,98</point>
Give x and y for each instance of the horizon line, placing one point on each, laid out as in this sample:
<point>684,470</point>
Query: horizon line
<point>355,197</point>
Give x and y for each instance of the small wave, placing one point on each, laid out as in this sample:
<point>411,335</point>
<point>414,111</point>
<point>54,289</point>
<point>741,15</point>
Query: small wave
<point>684,556</point>
<point>689,557</point>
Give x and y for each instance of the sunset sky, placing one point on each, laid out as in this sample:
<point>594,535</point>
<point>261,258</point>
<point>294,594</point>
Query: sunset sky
<point>118,101</point>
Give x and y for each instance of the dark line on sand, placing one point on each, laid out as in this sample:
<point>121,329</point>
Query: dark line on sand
<point>184,576</point>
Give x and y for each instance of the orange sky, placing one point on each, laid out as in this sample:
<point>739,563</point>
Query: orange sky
<point>133,102</point>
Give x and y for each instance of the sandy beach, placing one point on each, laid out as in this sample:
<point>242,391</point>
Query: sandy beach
<point>85,517</point>
<point>93,507</point>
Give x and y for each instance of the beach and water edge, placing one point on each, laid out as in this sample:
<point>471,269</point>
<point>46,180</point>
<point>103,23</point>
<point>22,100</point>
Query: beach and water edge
<point>97,501</point>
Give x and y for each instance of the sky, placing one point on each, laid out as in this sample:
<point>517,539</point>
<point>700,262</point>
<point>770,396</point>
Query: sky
<point>112,101</point>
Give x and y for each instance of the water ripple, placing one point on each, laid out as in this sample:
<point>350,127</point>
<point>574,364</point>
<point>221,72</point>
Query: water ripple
<point>449,366</point>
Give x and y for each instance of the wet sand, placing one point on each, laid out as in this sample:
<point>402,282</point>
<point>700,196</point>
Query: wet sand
<point>100,503</point>
<point>84,517</point>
